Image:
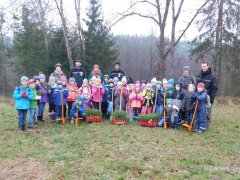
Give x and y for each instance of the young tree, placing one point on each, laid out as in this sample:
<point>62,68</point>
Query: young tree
<point>99,43</point>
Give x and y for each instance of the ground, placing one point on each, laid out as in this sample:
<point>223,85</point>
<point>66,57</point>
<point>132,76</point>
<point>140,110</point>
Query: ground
<point>106,151</point>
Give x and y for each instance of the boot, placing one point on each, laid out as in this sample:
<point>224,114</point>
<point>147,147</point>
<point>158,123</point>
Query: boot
<point>24,129</point>
<point>38,118</point>
<point>41,119</point>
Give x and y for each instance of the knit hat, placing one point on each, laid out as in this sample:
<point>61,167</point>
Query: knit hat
<point>144,81</point>
<point>201,85</point>
<point>24,78</point>
<point>124,79</point>
<point>64,79</point>
<point>171,81</point>
<point>59,83</point>
<point>58,65</point>
<point>85,81</point>
<point>117,63</point>
<point>186,68</point>
<point>106,76</point>
<point>72,79</point>
<point>169,101</point>
<point>130,80</point>
<point>95,66</point>
<point>159,82</point>
<point>77,60</point>
<point>30,81</point>
<point>115,79</point>
<point>42,76</point>
<point>154,80</point>
<point>93,78</point>
<point>110,81</point>
<point>36,78</point>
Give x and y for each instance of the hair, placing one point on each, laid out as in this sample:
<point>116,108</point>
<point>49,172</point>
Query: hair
<point>205,62</point>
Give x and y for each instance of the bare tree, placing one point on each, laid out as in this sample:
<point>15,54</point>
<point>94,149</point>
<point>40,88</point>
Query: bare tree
<point>59,4</point>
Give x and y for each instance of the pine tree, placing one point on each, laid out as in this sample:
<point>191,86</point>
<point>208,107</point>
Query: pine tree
<point>100,46</point>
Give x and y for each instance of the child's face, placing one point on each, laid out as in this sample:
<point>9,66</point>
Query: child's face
<point>52,83</point>
<point>59,86</point>
<point>111,84</point>
<point>64,83</point>
<point>79,103</point>
<point>200,89</point>
<point>137,89</point>
<point>72,83</point>
<point>124,83</point>
<point>143,85</point>
<point>42,80</point>
<point>159,86</point>
<point>169,105</point>
<point>177,88</point>
<point>32,85</point>
<point>24,83</point>
<point>153,83</point>
<point>106,79</point>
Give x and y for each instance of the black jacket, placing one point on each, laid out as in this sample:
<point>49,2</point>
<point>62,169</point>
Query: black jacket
<point>119,74</point>
<point>210,82</point>
<point>76,73</point>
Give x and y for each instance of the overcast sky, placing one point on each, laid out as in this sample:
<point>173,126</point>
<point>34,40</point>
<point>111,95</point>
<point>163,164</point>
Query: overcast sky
<point>133,25</point>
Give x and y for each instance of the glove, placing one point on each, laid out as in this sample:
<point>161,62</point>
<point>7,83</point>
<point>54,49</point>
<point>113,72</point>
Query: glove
<point>38,97</point>
<point>24,95</point>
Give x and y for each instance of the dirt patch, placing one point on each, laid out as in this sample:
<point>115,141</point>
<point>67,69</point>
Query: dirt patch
<point>230,170</point>
<point>28,168</point>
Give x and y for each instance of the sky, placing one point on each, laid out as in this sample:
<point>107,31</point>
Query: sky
<point>132,25</point>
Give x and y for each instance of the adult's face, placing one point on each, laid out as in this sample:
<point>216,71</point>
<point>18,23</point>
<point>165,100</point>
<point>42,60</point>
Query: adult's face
<point>117,67</point>
<point>78,64</point>
<point>204,67</point>
<point>185,72</point>
<point>58,69</point>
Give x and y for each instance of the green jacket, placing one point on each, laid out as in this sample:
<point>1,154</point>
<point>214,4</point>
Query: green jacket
<point>33,102</point>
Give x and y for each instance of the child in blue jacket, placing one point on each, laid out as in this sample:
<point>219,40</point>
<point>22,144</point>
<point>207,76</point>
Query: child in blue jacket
<point>77,109</point>
<point>22,94</point>
<point>201,113</point>
<point>60,95</point>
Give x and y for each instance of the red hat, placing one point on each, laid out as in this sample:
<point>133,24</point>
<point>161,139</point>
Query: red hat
<point>201,85</point>
<point>30,81</point>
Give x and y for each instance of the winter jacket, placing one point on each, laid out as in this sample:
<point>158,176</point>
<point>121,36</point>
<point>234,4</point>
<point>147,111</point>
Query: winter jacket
<point>119,74</point>
<point>117,97</point>
<point>57,76</point>
<point>99,76</point>
<point>76,73</point>
<point>58,99</point>
<point>97,94</point>
<point>160,97</point>
<point>185,80</point>
<point>43,91</point>
<point>170,112</point>
<point>136,99</point>
<point>77,109</point>
<point>72,92</point>
<point>149,97</point>
<point>210,82</point>
<point>33,101</point>
<point>85,88</point>
<point>109,93</point>
<point>188,104</point>
<point>22,103</point>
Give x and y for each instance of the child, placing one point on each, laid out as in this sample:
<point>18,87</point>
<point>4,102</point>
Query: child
<point>136,99</point>
<point>43,92</point>
<point>154,83</point>
<point>109,96</point>
<point>85,86</point>
<point>188,105</point>
<point>160,97</point>
<point>86,97</point>
<point>115,81</point>
<point>77,109</point>
<point>72,94</point>
<point>64,80</point>
<point>148,96</point>
<point>51,87</point>
<point>143,85</point>
<point>33,104</point>
<point>60,94</point>
<point>22,94</point>
<point>171,115</point>
<point>200,117</point>
<point>120,97</point>
<point>97,92</point>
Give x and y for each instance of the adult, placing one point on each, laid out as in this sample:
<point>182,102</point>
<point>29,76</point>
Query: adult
<point>96,73</point>
<point>117,72</point>
<point>187,78</point>
<point>57,73</point>
<point>78,72</point>
<point>211,85</point>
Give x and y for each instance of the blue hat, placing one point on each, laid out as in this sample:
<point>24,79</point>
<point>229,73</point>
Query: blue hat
<point>171,81</point>
<point>36,78</point>
<point>115,79</point>
<point>124,79</point>
<point>169,101</point>
<point>24,78</point>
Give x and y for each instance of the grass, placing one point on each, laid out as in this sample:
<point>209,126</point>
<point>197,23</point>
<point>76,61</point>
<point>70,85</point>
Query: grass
<point>105,151</point>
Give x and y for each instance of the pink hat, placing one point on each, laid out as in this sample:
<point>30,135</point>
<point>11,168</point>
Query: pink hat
<point>201,85</point>
<point>64,79</point>
<point>96,66</point>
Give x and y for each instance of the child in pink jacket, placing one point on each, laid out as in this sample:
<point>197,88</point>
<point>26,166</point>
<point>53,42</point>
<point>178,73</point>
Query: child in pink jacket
<point>97,92</point>
<point>136,99</point>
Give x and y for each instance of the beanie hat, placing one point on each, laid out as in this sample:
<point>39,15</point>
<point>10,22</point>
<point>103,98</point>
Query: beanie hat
<point>171,81</point>
<point>154,80</point>
<point>59,83</point>
<point>169,101</point>
<point>95,66</point>
<point>71,79</point>
<point>106,76</point>
<point>85,81</point>
<point>201,85</point>
<point>64,79</point>
<point>159,82</point>
<point>30,81</point>
<point>110,81</point>
<point>24,78</point>
<point>144,81</point>
<point>117,63</point>
<point>77,60</point>
<point>187,68</point>
<point>115,79</point>
<point>58,65</point>
<point>93,78</point>
<point>42,76</point>
<point>36,78</point>
<point>124,79</point>
<point>130,80</point>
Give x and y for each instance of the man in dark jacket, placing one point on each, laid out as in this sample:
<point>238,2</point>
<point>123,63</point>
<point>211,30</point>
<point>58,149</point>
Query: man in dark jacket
<point>78,73</point>
<point>211,85</point>
<point>117,72</point>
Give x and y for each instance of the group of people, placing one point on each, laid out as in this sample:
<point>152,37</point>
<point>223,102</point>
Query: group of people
<point>174,102</point>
